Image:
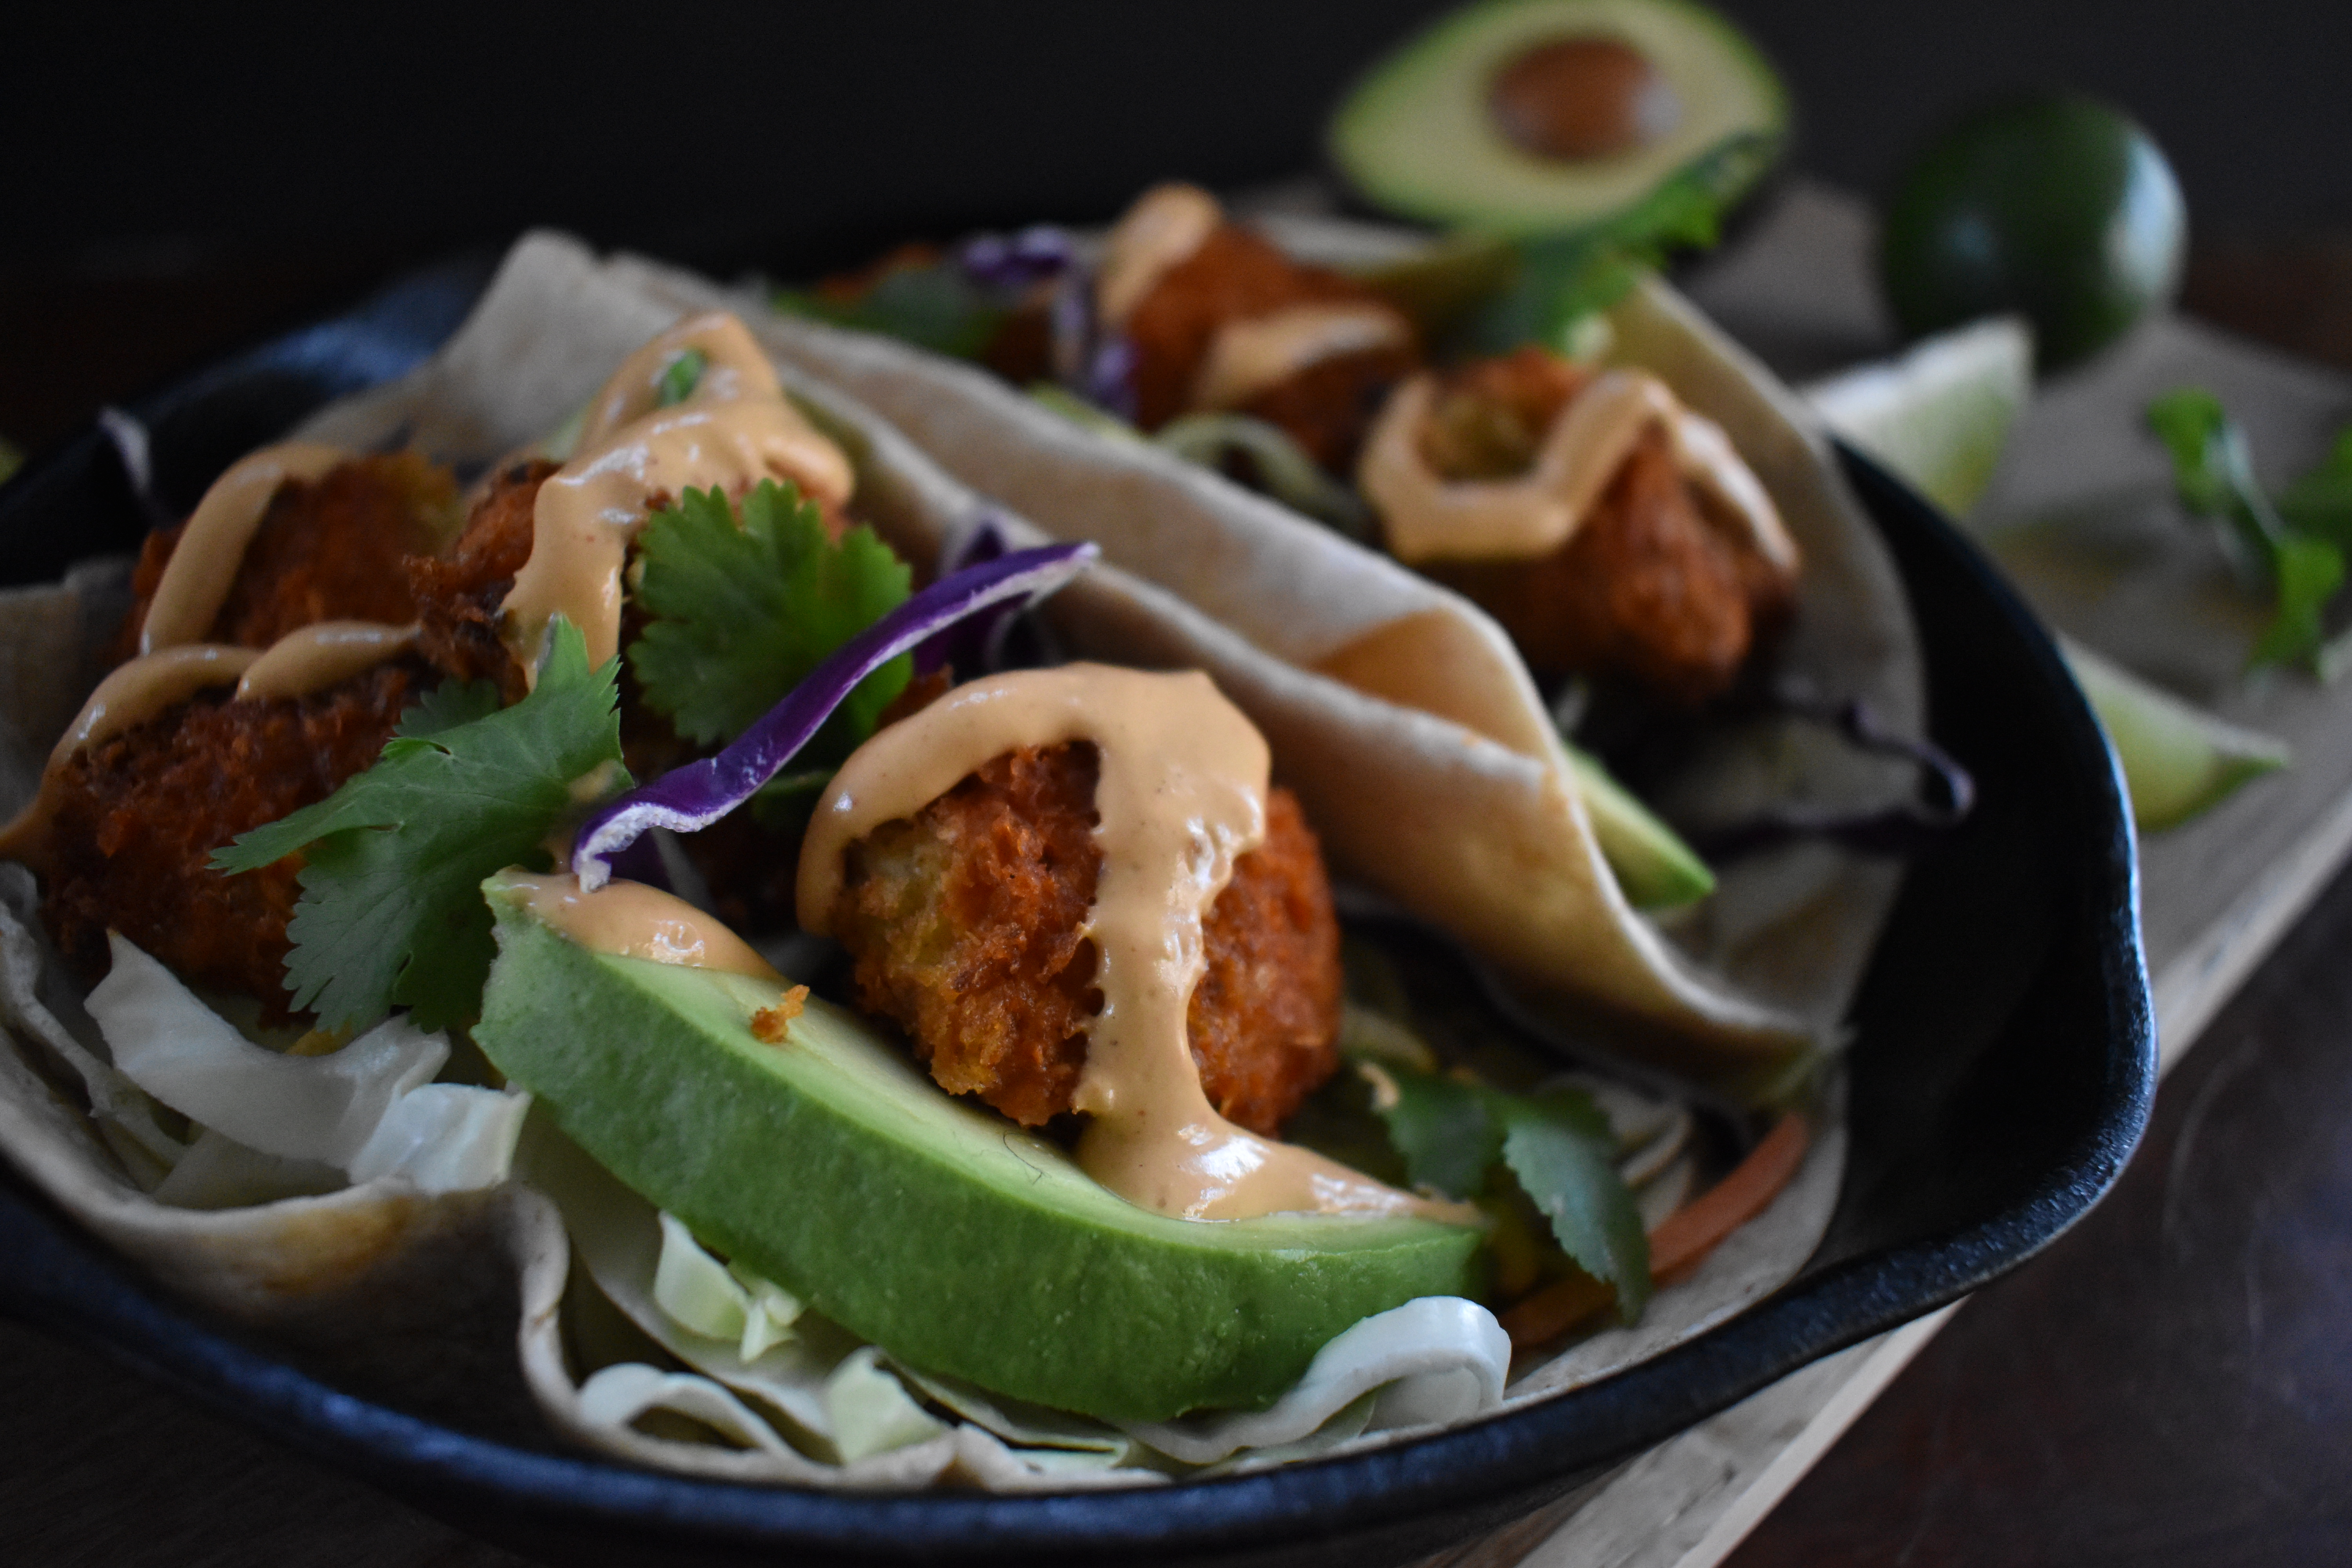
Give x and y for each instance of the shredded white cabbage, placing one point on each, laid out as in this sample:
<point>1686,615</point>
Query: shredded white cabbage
<point>619,1395</point>
<point>720,1300</point>
<point>872,1411</point>
<point>1439,1358</point>
<point>368,1109</point>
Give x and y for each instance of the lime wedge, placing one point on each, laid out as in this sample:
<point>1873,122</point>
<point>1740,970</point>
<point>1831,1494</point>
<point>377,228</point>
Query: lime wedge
<point>2178,760</point>
<point>1938,414</point>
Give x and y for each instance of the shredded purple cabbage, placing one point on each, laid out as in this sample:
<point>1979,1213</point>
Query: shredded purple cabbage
<point>1013,263</point>
<point>969,643</point>
<point>1947,793</point>
<point>1095,363</point>
<point>689,799</point>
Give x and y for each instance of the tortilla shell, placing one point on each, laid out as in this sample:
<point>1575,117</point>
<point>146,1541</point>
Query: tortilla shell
<point>452,1305</point>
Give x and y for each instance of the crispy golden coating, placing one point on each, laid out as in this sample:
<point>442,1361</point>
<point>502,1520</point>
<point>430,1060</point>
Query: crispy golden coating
<point>1651,585</point>
<point>458,594</point>
<point>966,925</point>
<point>141,813</point>
<point>1490,415</point>
<point>1235,275</point>
<point>329,548</point>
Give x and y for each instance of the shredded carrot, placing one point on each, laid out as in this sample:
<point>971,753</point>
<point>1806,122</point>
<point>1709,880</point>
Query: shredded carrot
<point>1556,1308</point>
<point>768,1024</point>
<point>1687,1235</point>
<point>1682,1240</point>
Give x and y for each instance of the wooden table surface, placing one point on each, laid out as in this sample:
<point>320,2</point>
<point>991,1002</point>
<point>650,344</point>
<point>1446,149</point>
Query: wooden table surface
<point>2169,1385</point>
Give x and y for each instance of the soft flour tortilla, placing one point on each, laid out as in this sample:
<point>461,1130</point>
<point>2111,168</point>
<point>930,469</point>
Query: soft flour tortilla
<point>1409,725</point>
<point>415,1297</point>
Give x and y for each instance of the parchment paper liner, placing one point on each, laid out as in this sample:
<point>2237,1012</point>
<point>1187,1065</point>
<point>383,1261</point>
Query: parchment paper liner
<point>413,1299</point>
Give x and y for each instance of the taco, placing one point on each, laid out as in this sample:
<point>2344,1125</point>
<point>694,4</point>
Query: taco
<point>1505,832</point>
<point>346,1158</point>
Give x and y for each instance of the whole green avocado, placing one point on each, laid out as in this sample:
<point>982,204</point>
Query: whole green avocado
<point>1550,117</point>
<point>950,1238</point>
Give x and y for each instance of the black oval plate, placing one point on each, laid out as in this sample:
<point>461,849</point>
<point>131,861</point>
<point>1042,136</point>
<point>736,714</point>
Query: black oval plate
<point>2004,1063</point>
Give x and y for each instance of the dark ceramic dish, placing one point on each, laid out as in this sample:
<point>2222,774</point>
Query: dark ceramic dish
<point>2004,1064</point>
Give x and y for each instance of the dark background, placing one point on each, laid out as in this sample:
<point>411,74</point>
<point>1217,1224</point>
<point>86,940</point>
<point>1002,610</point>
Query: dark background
<point>221,170</point>
<point>2169,1385</point>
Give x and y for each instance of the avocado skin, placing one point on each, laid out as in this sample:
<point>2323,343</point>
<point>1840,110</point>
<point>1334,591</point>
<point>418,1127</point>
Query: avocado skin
<point>949,1237</point>
<point>1415,134</point>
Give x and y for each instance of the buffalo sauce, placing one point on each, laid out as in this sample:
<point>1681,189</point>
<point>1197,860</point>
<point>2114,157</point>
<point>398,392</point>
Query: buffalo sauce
<point>1181,794</point>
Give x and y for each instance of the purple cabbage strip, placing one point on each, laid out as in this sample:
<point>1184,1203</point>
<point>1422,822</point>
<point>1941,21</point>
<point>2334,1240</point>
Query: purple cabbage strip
<point>1011,263</point>
<point>966,644</point>
<point>1947,791</point>
<point>689,799</point>
<point>1095,363</point>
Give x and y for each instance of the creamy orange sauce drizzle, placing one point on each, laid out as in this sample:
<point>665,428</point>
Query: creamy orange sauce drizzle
<point>173,667</point>
<point>1431,518</point>
<point>634,920</point>
<point>211,548</point>
<point>735,429</point>
<point>313,657</point>
<point>1167,224</point>
<point>1179,795</point>
<point>136,692</point>
<point>1246,357</point>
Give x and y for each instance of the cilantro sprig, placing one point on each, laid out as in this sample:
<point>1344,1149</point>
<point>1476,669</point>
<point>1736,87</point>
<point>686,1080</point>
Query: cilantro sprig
<point>2301,560</point>
<point>1463,1138</point>
<point>1562,280</point>
<point>391,913</point>
<point>743,603</point>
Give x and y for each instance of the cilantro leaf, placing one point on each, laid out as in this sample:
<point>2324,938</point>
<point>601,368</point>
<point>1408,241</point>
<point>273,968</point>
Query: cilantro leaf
<point>2214,475</point>
<point>1559,1145</point>
<point>448,705</point>
<point>740,613</point>
<point>2320,502</point>
<point>1562,279</point>
<point>1447,1130</point>
<point>933,305</point>
<point>679,377</point>
<point>392,911</point>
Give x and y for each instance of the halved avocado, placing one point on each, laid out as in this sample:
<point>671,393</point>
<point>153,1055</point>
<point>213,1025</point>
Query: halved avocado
<point>944,1234</point>
<point>1528,117</point>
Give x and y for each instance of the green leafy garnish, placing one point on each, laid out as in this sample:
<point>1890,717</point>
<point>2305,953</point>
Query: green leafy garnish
<point>1456,1135</point>
<point>1565,280</point>
<point>391,913</point>
<point>679,378</point>
<point>2214,476</point>
<point>743,605</point>
<point>933,306</point>
<point>2320,502</point>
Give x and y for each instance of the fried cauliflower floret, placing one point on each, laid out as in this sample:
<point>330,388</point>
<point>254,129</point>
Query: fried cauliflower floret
<point>139,814</point>
<point>1233,275</point>
<point>458,594</point>
<point>1652,586</point>
<point>327,548</point>
<point>966,926</point>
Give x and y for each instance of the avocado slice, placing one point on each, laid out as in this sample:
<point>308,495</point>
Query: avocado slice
<point>946,1235</point>
<point>1537,117</point>
<point>1655,870</point>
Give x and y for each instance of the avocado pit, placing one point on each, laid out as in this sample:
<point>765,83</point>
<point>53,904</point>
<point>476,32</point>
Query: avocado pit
<point>1582,97</point>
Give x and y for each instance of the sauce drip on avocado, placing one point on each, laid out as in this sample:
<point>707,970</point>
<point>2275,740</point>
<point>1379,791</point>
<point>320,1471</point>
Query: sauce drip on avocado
<point>1179,797</point>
